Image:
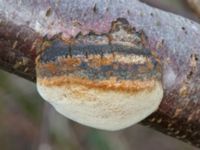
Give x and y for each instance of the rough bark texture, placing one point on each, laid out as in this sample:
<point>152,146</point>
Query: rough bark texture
<point>17,51</point>
<point>25,26</point>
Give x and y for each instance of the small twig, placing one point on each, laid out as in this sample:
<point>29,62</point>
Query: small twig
<point>195,5</point>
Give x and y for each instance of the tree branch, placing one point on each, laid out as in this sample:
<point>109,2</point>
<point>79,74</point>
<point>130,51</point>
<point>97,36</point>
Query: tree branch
<point>24,24</point>
<point>17,51</point>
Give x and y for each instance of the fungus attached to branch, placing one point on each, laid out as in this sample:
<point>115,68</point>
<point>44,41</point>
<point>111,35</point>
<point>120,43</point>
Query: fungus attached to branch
<point>107,86</point>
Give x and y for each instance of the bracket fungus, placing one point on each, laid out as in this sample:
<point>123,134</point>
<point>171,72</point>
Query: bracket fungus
<point>105,81</point>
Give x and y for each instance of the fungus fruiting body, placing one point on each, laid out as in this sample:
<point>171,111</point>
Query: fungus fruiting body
<point>102,81</point>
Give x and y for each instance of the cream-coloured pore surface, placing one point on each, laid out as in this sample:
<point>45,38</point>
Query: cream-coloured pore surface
<point>108,110</point>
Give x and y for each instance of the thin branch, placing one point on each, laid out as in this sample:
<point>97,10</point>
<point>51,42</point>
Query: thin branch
<point>195,5</point>
<point>23,24</point>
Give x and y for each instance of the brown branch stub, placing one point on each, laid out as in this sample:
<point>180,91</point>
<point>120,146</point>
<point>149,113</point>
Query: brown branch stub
<point>174,39</point>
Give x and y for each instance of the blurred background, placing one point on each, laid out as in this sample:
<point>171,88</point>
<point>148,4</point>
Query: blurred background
<point>27,122</point>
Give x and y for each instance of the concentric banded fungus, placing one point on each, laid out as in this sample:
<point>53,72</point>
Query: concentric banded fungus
<point>107,86</point>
